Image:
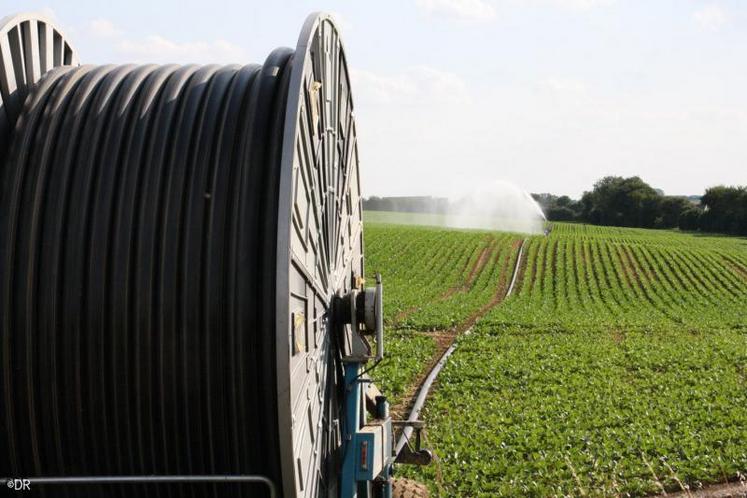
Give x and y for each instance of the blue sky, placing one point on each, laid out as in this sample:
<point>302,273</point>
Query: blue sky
<point>451,94</point>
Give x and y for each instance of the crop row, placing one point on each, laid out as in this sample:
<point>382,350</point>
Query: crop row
<point>419,264</point>
<point>616,368</point>
<point>572,279</point>
<point>438,278</point>
<point>590,413</point>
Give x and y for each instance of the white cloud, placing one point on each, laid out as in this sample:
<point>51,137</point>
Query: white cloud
<point>418,85</point>
<point>342,22</point>
<point>561,4</point>
<point>710,18</point>
<point>471,10</point>
<point>380,88</point>
<point>104,28</point>
<point>576,5</point>
<point>159,49</point>
<point>564,85</point>
<point>49,13</point>
<point>155,48</point>
<point>581,4</point>
<point>484,10</point>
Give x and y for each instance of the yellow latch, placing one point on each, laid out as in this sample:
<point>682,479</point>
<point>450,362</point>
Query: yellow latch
<point>299,319</point>
<point>359,281</point>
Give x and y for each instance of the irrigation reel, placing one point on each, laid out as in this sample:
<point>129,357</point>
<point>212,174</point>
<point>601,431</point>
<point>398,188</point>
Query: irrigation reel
<point>182,277</point>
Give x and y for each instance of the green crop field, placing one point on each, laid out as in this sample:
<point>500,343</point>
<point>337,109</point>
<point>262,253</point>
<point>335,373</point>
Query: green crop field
<point>618,366</point>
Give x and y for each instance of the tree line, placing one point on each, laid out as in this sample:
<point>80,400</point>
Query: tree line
<point>631,202</point>
<point>409,204</point>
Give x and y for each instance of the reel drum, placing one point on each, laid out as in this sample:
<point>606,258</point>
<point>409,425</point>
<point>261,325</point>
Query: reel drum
<point>171,242</point>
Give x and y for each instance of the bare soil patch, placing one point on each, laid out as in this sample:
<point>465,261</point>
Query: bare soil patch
<point>736,267</point>
<point>727,490</point>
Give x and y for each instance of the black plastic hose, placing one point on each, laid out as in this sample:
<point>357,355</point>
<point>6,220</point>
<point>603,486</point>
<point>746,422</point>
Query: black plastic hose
<point>138,223</point>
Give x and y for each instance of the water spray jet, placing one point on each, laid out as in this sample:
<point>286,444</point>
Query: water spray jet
<point>499,206</point>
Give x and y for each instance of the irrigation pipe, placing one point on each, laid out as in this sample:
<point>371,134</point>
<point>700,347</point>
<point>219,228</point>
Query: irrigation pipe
<point>515,276</point>
<point>426,386</point>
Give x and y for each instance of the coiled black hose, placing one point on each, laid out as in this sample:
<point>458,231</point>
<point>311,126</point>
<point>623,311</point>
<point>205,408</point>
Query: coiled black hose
<point>138,224</point>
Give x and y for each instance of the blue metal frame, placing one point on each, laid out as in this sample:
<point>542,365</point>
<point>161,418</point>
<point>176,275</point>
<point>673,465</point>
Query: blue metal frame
<point>352,477</point>
<point>382,412</point>
<point>353,422</point>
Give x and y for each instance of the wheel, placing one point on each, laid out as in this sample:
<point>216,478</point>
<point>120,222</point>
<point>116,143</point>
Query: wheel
<point>320,254</point>
<point>30,45</point>
<point>407,488</point>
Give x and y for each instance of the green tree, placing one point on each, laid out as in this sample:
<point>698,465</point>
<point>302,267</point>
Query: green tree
<point>690,218</point>
<point>670,210</point>
<point>724,210</point>
<point>619,201</point>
